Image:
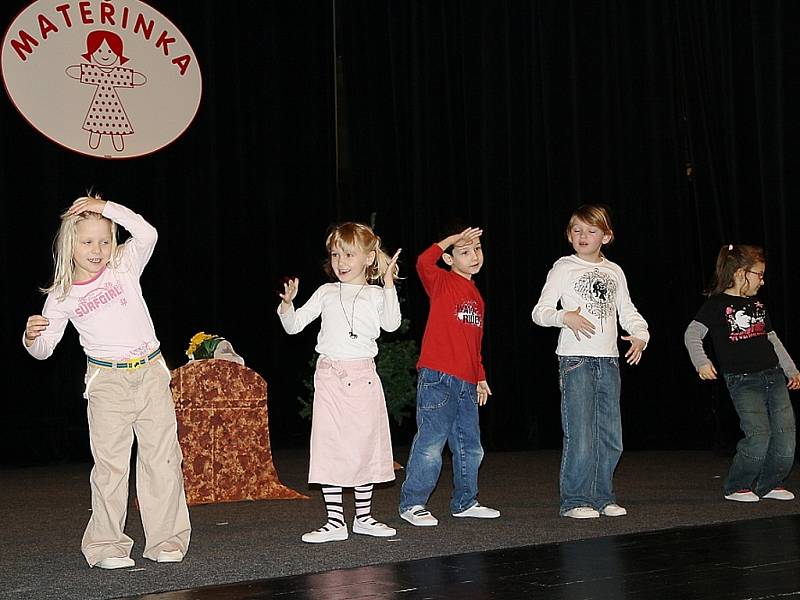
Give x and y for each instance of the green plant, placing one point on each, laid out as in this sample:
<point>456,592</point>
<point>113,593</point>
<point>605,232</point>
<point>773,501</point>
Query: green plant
<point>396,365</point>
<point>202,345</point>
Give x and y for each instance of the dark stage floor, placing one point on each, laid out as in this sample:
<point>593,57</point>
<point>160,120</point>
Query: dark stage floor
<point>529,552</point>
<point>740,560</point>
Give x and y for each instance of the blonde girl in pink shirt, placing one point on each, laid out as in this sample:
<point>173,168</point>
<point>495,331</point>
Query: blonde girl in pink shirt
<point>96,288</point>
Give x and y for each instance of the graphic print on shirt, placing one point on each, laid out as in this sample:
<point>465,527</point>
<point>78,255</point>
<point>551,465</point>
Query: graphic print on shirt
<point>469,314</point>
<point>101,298</point>
<point>599,293</point>
<point>747,322</point>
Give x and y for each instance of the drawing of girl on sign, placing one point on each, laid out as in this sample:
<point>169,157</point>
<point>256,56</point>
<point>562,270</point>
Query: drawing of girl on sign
<point>106,115</point>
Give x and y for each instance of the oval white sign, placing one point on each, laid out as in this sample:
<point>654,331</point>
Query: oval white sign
<point>106,78</point>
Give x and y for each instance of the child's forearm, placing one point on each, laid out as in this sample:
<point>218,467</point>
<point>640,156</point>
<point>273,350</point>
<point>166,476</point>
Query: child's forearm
<point>785,361</point>
<point>135,223</point>
<point>693,340</point>
<point>546,312</point>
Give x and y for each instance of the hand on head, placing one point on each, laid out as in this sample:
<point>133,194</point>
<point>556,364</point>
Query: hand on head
<point>465,238</point>
<point>87,203</point>
<point>469,235</point>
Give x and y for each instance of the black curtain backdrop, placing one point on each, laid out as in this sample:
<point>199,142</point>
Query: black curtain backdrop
<point>513,113</point>
<point>504,114</point>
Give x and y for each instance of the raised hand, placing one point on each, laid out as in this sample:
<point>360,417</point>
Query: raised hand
<point>483,392</point>
<point>290,287</point>
<point>578,324</point>
<point>466,237</point>
<point>634,353</point>
<point>34,327</point>
<point>469,235</point>
<point>391,270</point>
<point>87,203</point>
<point>707,372</point>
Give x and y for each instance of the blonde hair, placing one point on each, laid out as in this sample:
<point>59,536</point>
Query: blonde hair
<point>349,236</point>
<point>594,215</point>
<point>730,259</point>
<point>64,249</point>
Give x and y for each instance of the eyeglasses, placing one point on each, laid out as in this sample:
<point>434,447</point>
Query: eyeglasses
<point>759,273</point>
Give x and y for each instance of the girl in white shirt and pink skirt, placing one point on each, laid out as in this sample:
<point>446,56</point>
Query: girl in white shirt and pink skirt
<point>350,440</point>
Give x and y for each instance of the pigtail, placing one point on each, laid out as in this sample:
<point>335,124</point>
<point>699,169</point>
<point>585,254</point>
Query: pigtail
<point>362,236</point>
<point>377,270</point>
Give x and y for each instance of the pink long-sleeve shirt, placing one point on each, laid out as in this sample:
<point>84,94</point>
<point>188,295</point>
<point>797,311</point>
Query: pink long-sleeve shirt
<point>108,311</point>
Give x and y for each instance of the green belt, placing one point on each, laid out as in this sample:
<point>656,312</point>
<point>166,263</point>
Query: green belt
<point>134,363</point>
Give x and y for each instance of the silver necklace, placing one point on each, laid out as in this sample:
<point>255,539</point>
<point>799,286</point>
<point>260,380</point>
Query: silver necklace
<point>351,322</point>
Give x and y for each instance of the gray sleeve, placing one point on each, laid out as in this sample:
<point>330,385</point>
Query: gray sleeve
<point>786,362</point>
<point>693,340</point>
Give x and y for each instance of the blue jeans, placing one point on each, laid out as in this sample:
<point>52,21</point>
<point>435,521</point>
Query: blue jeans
<point>591,422</point>
<point>447,411</point>
<point>765,455</point>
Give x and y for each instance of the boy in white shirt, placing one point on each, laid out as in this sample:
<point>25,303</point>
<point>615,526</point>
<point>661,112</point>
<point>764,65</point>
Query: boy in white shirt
<point>592,292</point>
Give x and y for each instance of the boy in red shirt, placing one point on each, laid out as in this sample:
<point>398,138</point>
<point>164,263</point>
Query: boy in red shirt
<point>452,382</point>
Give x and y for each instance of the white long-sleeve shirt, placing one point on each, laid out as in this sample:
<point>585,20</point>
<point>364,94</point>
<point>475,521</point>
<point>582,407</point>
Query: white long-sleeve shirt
<point>108,311</point>
<point>362,309</point>
<point>600,290</point>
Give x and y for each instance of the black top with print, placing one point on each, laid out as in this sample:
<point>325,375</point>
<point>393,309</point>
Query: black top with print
<point>739,328</point>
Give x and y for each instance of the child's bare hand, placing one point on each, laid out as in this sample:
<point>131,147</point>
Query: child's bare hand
<point>794,383</point>
<point>87,203</point>
<point>290,288</point>
<point>465,238</point>
<point>34,327</point>
<point>391,270</point>
<point>483,393</point>
<point>634,353</point>
<point>707,372</point>
<point>469,235</point>
<point>578,324</point>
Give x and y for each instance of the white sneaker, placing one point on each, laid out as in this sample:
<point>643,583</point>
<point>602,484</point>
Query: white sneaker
<point>369,526</point>
<point>420,516</point>
<point>779,493</point>
<point>614,510</point>
<point>582,512</point>
<point>326,533</point>
<point>169,556</point>
<point>742,496</point>
<point>116,562</point>
<point>476,511</point>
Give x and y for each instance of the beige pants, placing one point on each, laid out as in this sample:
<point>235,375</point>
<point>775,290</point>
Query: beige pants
<point>123,403</point>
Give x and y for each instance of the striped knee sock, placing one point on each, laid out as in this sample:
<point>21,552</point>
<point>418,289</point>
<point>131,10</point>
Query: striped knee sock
<point>333,504</point>
<point>363,498</point>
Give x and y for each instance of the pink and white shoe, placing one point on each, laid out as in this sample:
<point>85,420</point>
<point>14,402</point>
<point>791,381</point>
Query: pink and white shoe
<point>779,493</point>
<point>743,496</point>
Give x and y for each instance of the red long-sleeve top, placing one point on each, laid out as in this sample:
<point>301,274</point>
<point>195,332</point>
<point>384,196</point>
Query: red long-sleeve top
<point>454,331</point>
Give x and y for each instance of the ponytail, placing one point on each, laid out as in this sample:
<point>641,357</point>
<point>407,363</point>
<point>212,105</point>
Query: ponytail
<point>730,259</point>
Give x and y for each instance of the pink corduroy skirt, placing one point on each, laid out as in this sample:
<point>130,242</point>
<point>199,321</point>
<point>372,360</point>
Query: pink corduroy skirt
<point>350,440</point>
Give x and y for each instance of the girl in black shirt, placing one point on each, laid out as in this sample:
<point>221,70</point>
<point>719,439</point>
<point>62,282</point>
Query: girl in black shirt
<point>755,367</point>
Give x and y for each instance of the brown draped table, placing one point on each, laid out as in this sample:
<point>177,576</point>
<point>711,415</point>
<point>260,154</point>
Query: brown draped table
<point>223,430</point>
